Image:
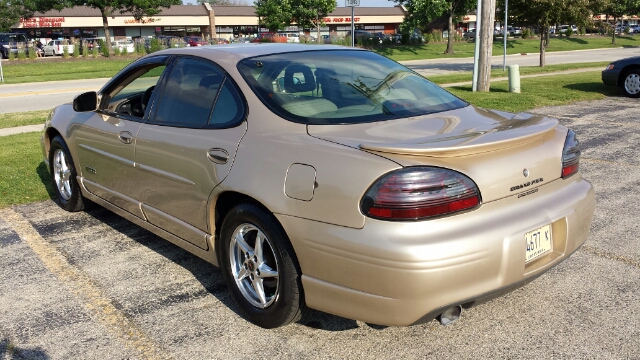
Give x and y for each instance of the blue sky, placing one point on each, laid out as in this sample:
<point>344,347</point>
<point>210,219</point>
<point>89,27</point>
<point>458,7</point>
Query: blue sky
<point>374,3</point>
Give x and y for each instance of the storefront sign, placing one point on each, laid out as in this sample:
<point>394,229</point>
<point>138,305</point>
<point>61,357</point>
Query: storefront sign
<point>40,22</point>
<point>141,21</point>
<point>340,20</point>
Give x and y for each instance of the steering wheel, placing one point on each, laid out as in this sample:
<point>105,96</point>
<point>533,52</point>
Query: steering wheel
<point>146,97</point>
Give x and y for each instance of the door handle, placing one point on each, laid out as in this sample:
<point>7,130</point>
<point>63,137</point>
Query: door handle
<point>218,156</point>
<point>125,137</point>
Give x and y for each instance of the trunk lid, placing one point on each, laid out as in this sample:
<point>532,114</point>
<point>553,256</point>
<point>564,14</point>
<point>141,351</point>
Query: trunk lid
<point>493,148</point>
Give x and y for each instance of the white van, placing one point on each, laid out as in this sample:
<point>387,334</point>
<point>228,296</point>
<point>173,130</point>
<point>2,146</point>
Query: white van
<point>292,37</point>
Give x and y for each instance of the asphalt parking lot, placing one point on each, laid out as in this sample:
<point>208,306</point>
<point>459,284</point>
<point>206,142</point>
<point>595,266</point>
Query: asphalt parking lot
<point>92,285</point>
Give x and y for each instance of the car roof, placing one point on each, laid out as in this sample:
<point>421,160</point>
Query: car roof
<point>240,51</point>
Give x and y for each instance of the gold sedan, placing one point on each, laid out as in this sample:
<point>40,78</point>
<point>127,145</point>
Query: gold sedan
<point>325,177</point>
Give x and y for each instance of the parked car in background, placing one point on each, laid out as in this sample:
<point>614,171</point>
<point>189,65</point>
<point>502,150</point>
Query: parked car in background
<point>195,41</point>
<point>218,41</point>
<point>292,37</point>
<point>564,28</point>
<point>91,43</point>
<point>270,37</point>
<point>514,31</point>
<point>171,41</point>
<point>471,34</point>
<point>124,44</point>
<point>359,189</point>
<point>624,73</point>
<point>9,43</point>
<point>56,47</point>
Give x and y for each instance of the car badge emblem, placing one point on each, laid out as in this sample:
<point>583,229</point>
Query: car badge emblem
<point>525,172</point>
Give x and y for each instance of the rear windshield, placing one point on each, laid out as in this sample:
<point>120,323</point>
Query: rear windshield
<point>342,87</point>
<point>5,38</point>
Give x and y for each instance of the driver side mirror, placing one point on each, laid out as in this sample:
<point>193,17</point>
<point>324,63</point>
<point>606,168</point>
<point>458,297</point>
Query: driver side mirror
<point>86,102</point>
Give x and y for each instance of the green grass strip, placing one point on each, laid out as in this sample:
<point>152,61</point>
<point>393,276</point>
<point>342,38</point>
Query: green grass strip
<point>23,118</point>
<point>23,176</point>
<point>539,91</point>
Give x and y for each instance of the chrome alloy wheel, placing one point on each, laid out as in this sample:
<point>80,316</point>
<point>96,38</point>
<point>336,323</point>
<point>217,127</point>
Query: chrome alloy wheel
<point>632,84</point>
<point>62,174</point>
<point>254,266</point>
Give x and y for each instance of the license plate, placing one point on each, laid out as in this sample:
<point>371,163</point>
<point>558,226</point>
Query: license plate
<point>538,242</point>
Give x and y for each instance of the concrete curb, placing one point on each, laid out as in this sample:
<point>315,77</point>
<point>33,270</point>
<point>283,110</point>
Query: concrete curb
<point>575,71</point>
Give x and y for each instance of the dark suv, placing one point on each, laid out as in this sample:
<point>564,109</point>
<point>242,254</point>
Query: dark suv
<point>9,43</point>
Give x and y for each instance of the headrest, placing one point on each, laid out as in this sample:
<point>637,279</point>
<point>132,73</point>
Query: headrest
<point>210,80</point>
<point>305,80</point>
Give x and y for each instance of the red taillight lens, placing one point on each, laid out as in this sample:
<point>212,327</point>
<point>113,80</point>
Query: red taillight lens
<point>415,193</point>
<point>570,155</point>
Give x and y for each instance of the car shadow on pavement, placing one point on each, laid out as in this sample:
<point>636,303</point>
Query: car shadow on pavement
<point>10,351</point>
<point>208,275</point>
<point>595,87</point>
<point>45,177</point>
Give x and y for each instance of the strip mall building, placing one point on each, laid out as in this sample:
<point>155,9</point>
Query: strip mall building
<point>201,20</point>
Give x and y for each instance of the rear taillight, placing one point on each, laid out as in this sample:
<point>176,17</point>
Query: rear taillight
<point>570,155</point>
<point>419,192</point>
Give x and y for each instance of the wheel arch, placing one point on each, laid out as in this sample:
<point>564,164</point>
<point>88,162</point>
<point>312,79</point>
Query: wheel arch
<point>625,70</point>
<point>49,134</point>
<point>226,201</point>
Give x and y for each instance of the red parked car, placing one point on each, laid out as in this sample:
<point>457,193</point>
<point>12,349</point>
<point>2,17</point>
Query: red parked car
<point>270,37</point>
<point>195,41</point>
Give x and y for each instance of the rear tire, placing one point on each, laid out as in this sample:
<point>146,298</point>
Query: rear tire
<point>63,176</point>
<point>631,83</point>
<point>260,267</point>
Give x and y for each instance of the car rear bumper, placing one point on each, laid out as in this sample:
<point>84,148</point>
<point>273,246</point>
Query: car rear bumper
<point>610,77</point>
<point>402,273</point>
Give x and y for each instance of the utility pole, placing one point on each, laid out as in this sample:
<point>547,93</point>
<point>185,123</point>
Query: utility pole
<point>486,44</point>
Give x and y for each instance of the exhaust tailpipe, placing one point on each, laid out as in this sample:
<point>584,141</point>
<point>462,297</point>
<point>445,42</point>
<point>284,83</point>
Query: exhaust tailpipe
<point>450,315</point>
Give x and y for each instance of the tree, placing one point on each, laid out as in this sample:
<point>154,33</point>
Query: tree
<point>455,10</point>
<point>420,13</point>
<point>138,8</point>
<point>542,13</point>
<point>10,14</point>
<point>273,14</point>
<point>486,44</point>
<point>310,13</point>
<point>224,2</point>
<point>617,9</point>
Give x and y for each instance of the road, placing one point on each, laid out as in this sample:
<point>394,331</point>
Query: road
<point>451,65</point>
<point>42,96</point>
<point>92,285</point>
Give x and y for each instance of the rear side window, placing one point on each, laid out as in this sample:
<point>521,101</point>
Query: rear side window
<point>192,90</point>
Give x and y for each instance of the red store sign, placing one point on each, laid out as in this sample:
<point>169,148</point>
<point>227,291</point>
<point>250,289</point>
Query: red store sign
<point>42,22</point>
<point>339,20</point>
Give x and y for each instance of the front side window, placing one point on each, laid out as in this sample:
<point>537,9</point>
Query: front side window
<point>131,94</point>
<point>344,86</point>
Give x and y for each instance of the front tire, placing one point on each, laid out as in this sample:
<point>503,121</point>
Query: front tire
<point>63,175</point>
<point>260,267</point>
<point>631,83</point>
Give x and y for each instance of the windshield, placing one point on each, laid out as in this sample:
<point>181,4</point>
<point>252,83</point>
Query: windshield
<point>342,87</point>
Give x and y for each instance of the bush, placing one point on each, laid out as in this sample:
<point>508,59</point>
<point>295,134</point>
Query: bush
<point>76,50</point>
<point>32,52</point>
<point>140,48</point>
<point>65,51</point>
<point>22,55</point>
<point>12,56</point>
<point>155,45</point>
<point>94,51</point>
<point>582,30</point>
<point>627,29</point>
<point>85,50</point>
<point>116,50</point>
<point>526,33</point>
<point>436,36</point>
